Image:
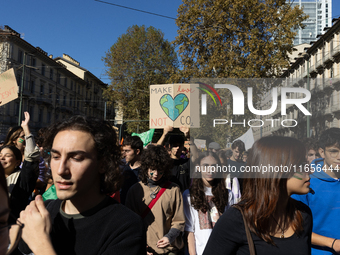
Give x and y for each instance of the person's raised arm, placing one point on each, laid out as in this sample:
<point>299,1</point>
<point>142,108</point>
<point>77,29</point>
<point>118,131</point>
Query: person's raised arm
<point>166,130</point>
<point>30,144</point>
<point>193,148</point>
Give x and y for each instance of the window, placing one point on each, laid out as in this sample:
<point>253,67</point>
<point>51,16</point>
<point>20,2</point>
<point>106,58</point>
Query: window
<point>58,78</point>
<point>51,74</point>
<point>32,87</point>
<point>332,72</point>
<point>43,69</point>
<point>31,111</point>
<point>19,80</point>
<point>41,89</point>
<point>49,116</point>
<point>20,57</point>
<point>71,85</point>
<point>64,101</point>
<point>50,92</point>
<point>40,117</point>
<point>33,62</point>
<point>65,82</point>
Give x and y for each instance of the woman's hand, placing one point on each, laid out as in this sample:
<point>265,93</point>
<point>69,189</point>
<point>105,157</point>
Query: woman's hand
<point>164,242</point>
<point>24,124</point>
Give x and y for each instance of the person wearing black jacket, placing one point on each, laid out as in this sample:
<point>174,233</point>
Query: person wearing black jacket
<point>83,220</point>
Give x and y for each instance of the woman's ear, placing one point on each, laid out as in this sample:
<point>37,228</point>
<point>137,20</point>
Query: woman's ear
<point>18,163</point>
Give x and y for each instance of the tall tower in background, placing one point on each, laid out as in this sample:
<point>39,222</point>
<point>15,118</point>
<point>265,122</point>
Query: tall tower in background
<point>320,16</point>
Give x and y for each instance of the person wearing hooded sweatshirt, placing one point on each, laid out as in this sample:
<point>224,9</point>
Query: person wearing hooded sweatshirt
<point>324,196</point>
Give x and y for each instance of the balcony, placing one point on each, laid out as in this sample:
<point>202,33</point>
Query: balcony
<point>336,108</point>
<point>319,64</point>
<point>328,58</point>
<point>336,51</point>
<point>312,69</point>
<point>328,110</point>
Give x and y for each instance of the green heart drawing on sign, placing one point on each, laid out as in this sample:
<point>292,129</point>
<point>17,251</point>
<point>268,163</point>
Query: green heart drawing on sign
<point>173,107</point>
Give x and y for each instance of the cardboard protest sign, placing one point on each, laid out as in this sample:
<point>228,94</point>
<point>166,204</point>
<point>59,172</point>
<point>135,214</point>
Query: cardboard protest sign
<point>170,104</point>
<point>8,87</point>
<point>200,144</point>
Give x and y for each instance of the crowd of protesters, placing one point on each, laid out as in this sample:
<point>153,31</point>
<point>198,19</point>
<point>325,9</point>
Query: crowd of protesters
<point>72,189</point>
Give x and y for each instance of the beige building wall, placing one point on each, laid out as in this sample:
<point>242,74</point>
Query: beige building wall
<point>320,63</point>
<point>51,92</point>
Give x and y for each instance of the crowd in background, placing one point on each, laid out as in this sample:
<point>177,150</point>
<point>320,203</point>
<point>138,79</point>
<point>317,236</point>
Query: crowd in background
<point>72,189</point>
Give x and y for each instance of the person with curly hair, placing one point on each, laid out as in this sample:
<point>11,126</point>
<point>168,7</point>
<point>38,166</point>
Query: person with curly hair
<point>164,221</point>
<point>204,202</point>
<point>278,224</point>
<point>83,220</point>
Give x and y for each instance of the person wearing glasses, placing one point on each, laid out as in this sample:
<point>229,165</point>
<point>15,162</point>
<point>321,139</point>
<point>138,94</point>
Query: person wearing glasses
<point>324,196</point>
<point>164,220</point>
<point>84,219</point>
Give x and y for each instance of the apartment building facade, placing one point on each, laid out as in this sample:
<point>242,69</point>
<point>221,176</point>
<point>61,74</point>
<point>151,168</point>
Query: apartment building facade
<point>317,69</point>
<point>320,16</point>
<point>51,90</point>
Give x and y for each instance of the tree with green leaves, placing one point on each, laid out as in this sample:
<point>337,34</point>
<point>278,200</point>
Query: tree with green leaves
<point>139,58</point>
<point>234,39</point>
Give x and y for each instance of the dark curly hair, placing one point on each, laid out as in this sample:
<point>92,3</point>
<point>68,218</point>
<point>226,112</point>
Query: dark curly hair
<point>155,157</point>
<point>197,195</point>
<point>330,137</point>
<point>105,139</point>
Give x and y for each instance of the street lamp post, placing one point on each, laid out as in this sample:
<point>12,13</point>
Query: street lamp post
<point>307,56</point>
<point>21,91</point>
<point>308,103</point>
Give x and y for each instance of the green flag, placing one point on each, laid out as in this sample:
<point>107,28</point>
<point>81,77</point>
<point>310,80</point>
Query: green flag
<point>146,137</point>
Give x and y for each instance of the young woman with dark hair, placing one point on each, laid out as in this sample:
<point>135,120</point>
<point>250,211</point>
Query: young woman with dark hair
<point>204,202</point>
<point>20,181</point>
<point>278,223</point>
<point>165,220</point>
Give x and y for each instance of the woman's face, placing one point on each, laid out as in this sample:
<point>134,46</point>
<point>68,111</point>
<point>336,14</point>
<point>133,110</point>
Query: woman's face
<point>207,167</point>
<point>20,141</point>
<point>298,183</point>
<point>155,175</point>
<point>8,161</point>
<point>4,213</point>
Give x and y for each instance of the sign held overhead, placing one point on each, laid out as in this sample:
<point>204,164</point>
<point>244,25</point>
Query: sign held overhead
<point>170,104</point>
<point>8,87</point>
